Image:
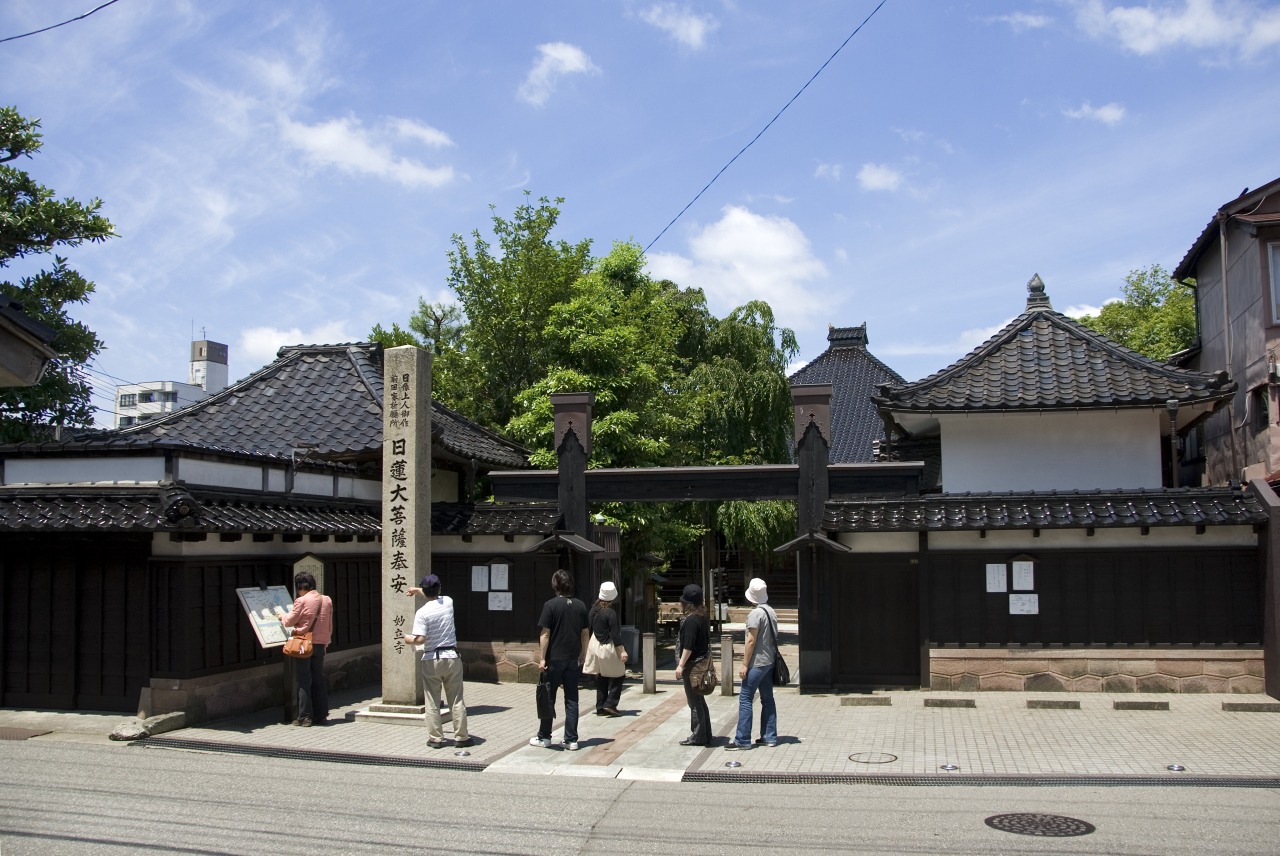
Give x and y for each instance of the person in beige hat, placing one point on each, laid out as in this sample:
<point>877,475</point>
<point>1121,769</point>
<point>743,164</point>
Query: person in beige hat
<point>757,670</point>
<point>606,656</point>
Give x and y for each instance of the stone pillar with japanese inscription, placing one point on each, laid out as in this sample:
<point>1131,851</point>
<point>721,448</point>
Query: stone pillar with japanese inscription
<point>406,512</point>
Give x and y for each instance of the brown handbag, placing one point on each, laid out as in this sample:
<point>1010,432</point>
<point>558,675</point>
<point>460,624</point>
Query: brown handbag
<point>298,645</point>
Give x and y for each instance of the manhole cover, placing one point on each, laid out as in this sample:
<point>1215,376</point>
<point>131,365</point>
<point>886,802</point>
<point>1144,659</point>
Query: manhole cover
<point>1045,825</point>
<point>9,732</point>
<point>872,757</point>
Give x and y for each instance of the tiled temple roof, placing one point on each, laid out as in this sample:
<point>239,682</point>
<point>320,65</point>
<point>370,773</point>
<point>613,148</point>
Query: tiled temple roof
<point>1047,510</point>
<point>1043,360</point>
<point>323,398</point>
<point>855,375</point>
<point>174,508</point>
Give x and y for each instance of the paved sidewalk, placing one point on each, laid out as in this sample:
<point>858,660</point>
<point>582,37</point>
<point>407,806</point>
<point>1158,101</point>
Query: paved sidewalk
<point>902,738</point>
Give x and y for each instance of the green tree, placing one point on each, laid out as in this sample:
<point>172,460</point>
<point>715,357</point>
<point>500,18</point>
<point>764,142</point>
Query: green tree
<point>507,297</point>
<point>436,327</point>
<point>33,221</point>
<point>1156,317</point>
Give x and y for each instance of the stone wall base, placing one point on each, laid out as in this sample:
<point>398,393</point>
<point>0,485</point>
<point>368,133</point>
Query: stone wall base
<point>257,688</point>
<point>1128,670</point>
<point>500,662</point>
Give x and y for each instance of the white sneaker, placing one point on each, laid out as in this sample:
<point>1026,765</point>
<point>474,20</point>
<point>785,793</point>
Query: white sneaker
<point>570,745</point>
<point>538,741</point>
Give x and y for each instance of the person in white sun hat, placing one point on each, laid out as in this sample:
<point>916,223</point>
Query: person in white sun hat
<point>606,656</point>
<point>757,670</point>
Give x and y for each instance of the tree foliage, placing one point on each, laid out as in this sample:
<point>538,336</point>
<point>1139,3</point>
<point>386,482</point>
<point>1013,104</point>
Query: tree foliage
<point>33,221</point>
<point>1156,317</point>
<point>674,385</point>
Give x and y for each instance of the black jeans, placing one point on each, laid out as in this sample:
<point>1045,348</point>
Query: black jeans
<point>699,715</point>
<point>563,673</point>
<point>608,691</point>
<point>313,689</point>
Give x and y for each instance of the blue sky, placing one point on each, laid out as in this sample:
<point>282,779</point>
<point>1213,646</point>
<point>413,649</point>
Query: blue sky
<point>291,172</point>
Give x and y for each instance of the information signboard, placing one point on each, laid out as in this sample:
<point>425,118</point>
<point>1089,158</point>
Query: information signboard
<point>264,608</point>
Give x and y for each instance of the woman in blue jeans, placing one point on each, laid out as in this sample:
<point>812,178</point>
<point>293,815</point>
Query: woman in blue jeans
<point>757,671</point>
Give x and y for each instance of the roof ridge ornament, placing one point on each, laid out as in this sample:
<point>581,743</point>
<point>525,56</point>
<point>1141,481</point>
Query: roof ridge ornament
<point>1036,298</point>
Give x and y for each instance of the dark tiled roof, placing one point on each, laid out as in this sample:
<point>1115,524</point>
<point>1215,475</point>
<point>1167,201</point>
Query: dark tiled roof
<point>492,519</point>
<point>1043,360</point>
<point>170,508</point>
<point>1048,510</point>
<point>327,398</point>
<point>854,374</point>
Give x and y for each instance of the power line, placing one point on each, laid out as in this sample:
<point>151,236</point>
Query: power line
<point>767,126</point>
<point>63,24</point>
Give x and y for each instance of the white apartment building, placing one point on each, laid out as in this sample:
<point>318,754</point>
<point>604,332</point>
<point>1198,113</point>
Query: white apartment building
<point>141,402</point>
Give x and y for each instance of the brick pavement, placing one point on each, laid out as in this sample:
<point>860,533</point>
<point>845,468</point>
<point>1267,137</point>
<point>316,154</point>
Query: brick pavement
<point>821,737</point>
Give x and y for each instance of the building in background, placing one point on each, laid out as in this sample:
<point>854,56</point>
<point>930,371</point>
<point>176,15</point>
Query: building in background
<point>142,402</point>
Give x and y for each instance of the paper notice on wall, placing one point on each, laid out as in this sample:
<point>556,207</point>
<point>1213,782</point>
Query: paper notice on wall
<point>498,576</point>
<point>1024,576</point>
<point>997,578</point>
<point>1024,604</point>
<point>479,577</point>
<point>500,601</point>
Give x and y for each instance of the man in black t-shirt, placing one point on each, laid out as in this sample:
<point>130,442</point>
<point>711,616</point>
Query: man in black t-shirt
<point>562,650</point>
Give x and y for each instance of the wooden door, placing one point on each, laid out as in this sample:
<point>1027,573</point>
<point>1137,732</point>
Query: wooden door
<point>875,622</point>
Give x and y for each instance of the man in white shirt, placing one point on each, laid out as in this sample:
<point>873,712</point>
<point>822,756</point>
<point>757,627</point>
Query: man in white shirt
<point>434,630</point>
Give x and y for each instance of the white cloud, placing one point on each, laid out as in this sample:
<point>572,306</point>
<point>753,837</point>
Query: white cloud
<point>1080,310</point>
<point>351,148</point>
<point>425,134</point>
<point>1249,27</point>
<point>746,256</point>
<point>828,170</point>
<point>681,24</point>
<point>952,349</point>
<point>1020,21</point>
<point>875,176</point>
<point>258,345</point>
<point>555,60</point>
<point>1108,114</point>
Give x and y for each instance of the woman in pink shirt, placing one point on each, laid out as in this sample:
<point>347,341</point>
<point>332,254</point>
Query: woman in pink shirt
<point>312,612</point>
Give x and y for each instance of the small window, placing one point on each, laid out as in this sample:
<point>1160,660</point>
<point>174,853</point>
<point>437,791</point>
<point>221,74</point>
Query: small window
<point>169,397</point>
<point>1273,265</point>
<point>129,399</point>
<point>1259,408</point>
<point>146,397</point>
<point>126,421</point>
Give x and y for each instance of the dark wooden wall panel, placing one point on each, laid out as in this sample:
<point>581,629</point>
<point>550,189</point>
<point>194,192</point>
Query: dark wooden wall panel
<point>1131,597</point>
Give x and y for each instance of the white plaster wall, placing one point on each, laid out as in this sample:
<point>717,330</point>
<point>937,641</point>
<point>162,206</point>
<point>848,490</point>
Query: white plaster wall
<point>1088,450</point>
<point>486,545</point>
<point>881,542</point>
<point>275,480</point>
<point>368,489</point>
<point>1102,539</point>
<point>313,484</point>
<point>219,474</point>
<point>83,470</point>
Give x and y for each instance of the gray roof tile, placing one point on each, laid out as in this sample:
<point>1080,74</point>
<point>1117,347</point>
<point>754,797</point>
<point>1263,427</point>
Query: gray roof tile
<point>854,374</point>
<point>327,398</point>
<point>1043,360</point>
<point>1047,510</point>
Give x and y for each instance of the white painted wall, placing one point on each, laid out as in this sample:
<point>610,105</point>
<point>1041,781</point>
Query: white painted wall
<point>1089,450</point>
<point>368,489</point>
<point>219,474</point>
<point>246,546</point>
<point>313,484</point>
<point>1158,537</point>
<point>83,470</point>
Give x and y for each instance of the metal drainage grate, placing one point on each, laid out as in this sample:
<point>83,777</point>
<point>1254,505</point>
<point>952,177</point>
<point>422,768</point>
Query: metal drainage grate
<point>872,757</point>
<point>1043,825</point>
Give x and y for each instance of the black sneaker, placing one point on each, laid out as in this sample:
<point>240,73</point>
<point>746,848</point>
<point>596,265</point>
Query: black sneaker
<point>735,747</point>
<point>760,741</point>
<point>466,741</point>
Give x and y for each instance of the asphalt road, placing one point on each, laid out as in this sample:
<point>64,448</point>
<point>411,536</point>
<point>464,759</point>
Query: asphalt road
<point>81,798</point>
